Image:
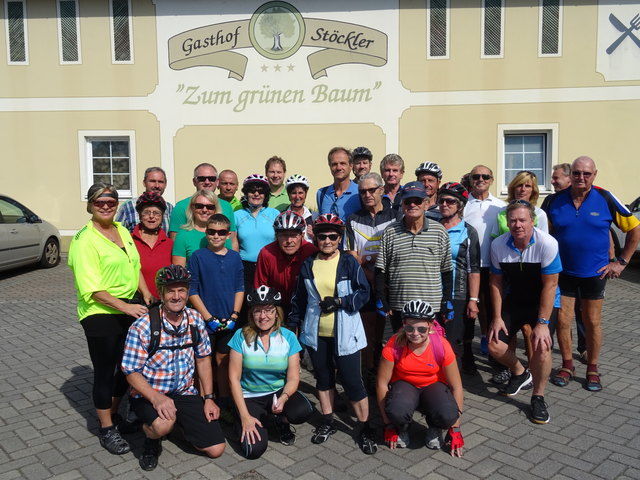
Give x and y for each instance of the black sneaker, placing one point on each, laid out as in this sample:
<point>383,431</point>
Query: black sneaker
<point>516,383</point>
<point>113,442</point>
<point>322,433</point>
<point>539,413</point>
<point>287,432</point>
<point>366,441</point>
<point>149,457</point>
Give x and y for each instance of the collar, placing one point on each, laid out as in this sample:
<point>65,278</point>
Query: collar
<point>511,245</point>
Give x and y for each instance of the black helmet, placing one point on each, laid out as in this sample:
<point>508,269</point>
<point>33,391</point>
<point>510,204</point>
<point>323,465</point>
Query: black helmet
<point>263,295</point>
<point>171,275</point>
<point>361,152</point>
<point>150,199</point>
<point>418,309</point>
<point>455,190</point>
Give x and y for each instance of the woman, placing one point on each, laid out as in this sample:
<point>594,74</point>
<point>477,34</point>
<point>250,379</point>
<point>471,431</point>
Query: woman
<point>191,236</point>
<point>254,223</point>
<point>418,372</point>
<point>297,188</point>
<point>330,292</point>
<point>465,250</point>
<point>264,373</point>
<point>152,243</point>
<point>106,268</point>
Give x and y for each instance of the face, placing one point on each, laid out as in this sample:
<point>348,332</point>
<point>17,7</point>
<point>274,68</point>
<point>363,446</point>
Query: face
<point>430,182</point>
<point>151,217</point>
<point>392,174</point>
<point>361,165</point>
<point>448,205</point>
<point>328,241</point>
<point>523,191</point>
<point>583,173</point>
<point>415,325</point>
<point>104,208</point>
<point>481,179</point>
<point>217,234</point>
<point>204,179</point>
<point>255,196</point>
<point>275,174</point>
<point>155,182</point>
<point>559,180</point>
<point>297,196</point>
<point>264,316</point>
<point>370,193</point>
<point>228,184</point>
<point>175,297</point>
<point>289,241</point>
<point>340,166</point>
<point>203,208</point>
<point>520,224</point>
<point>413,208</point>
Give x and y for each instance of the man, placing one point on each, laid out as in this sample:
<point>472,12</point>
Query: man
<point>561,176</point>
<point>579,218</point>
<point>414,260</point>
<point>362,160</point>
<point>159,364</point>
<point>227,188</point>
<point>341,197</point>
<point>430,175</point>
<point>392,171</point>
<point>205,177</point>
<point>527,260</point>
<point>155,180</point>
<point>275,170</point>
<point>481,213</point>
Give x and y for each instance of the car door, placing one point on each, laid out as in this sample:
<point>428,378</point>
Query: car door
<point>20,238</point>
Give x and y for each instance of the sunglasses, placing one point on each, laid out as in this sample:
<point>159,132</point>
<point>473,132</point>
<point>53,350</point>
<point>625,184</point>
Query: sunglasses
<point>478,176</point>
<point>255,190</point>
<point>205,206</point>
<point>205,178</point>
<point>411,328</point>
<point>220,233</point>
<point>413,201</point>
<point>370,191</point>
<point>524,203</point>
<point>331,236</point>
<point>106,203</point>
<point>448,201</point>
<point>578,174</point>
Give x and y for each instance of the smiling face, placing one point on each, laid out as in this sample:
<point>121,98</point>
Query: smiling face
<point>174,297</point>
<point>275,173</point>
<point>448,205</point>
<point>255,196</point>
<point>155,182</point>
<point>520,225</point>
<point>391,174</point>
<point>297,196</point>
<point>103,209</point>
<point>328,241</point>
<point>583,173</point>
<point>264,317</point>
<point>559,180</point>
<point>217,234</point>
<point>431,183</point>
<point>151,217</point>
<point>206,178</point>
<point>413,208</point>
<point>340,166</point>
<point>413,327</point>
<point>203,208</point>
<point>481,179</point>
<point>361,165</point>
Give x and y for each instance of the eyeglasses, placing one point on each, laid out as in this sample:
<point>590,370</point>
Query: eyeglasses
<point>578,174</point>
<point>151,213</point>
<point>205,206</point>
<point>448,201</point>
<point>205,178</point>
<point>267,309</point>
<point>255,190</point>
<point>220,233</point>
<point>412,201</point>
<point>331,236</point>
<point>478,176</point>
<point>519,201</point>
<point>410,329</point>
<point>106,203</point>
<point>370,191</point>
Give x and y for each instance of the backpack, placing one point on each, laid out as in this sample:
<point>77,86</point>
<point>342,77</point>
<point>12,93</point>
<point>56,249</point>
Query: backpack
<point>156,333</point>
<point>435,341</point>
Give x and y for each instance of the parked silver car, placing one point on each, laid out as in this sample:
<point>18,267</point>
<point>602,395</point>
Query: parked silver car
<point>619,235</point>
<point>25,238</point>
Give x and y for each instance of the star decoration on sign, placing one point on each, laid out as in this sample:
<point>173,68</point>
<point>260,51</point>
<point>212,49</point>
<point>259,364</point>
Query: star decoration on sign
<point>290,67</point>
<point>264,68</point>
<point>277,68</point>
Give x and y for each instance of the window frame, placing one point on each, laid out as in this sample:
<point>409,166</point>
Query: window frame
<point>560,18</point>
<point>550,130</point>
<point>483,31</point>
<point>447,33</point>
<point>25,32</point>
<point>85,139</point>
<point>78,44</point>
<point>113,39</point>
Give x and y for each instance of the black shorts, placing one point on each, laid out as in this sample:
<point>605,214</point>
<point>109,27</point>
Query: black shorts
<point>106,324</point>
<point>189,416</point>
<point>219,341</point>
<point>517,316</point>
<point>588,288</point>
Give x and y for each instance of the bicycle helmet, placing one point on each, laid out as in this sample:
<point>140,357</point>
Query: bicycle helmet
<point>257,178</point>
<point>257,181</point>
<point>150,199</point>
<point>171,275</point>
<point>359,152</point>
<point>289,220</point>
<point>418,309</point>
<point>429,168</point>
<point>455,190</point>
<point>295,180</point>
<point>263,295</point>
<point>328,222</point>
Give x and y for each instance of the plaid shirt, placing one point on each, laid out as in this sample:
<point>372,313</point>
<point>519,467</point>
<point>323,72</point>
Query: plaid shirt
<point>128,216</point>
<point>167,371</point>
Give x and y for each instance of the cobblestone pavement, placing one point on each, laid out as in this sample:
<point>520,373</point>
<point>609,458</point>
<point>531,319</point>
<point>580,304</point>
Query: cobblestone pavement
<point>47,423</point>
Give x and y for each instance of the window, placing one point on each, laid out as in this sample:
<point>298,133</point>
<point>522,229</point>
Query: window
<point>16,28</point>
<point>68,31</point>
<point>527,147</point>
<point>108,157</point>
<point>438,29</point>
<point>550,28</point>
<point>121,30</point>
<point>492,28</point>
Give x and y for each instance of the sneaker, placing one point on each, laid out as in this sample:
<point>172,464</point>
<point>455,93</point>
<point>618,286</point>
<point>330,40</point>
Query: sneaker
<point>501,377</point>
<point>484,345</point>
<point>322,433</point>
<point>366,441</point>
<point>539,413</point>
<point>149,456</point>
<point>403,440</point>
<point>113,442</point>
<point>287,432</point>
<point>516,383</point>
<point>433,438</point>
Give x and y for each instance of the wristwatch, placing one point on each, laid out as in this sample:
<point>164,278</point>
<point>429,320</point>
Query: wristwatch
<point>543,321</point>
<point>622,261</point>
<point>208,396</point>
<point>475,299</point>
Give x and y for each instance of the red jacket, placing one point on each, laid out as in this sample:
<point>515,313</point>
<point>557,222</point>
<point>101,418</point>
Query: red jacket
<point>153,258</point>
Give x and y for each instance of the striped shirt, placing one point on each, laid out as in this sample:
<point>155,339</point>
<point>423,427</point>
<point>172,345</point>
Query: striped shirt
<point>412,263</point>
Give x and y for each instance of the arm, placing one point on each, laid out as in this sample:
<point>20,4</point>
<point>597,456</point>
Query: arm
<point>614,269</point>
<point>354,301</point>
<point>177,260</point>
<point>455,383</point>
<point>144,290</point>
<point>235,245</point>
<point>541,339</point>
<point>109,300</point>
<point>497,324</point>
<point>261,277</point>
<point>160,402</point>
<point>205,376</point>
<point>385,370</point>
<point>291,385</point>
<point>198,304</point>
<point>248,422</point>
<point>298,302</point>
<point>473,280</point>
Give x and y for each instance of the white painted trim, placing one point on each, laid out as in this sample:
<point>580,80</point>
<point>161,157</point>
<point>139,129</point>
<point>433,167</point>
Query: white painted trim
<point>85,156</point>
<point>552,130</point>
<point>502,13</point>
<point>447,34</point>
<point>111,32</point>
<point>26,32</point>
<point>60,53</point>
<point>560,31</point>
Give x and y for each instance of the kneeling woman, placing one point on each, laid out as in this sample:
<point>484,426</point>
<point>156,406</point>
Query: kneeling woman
<point>418,371</point>
<point>264,372</point>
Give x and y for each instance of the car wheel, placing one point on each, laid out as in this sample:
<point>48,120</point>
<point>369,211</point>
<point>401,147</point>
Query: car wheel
<point>50,254</point>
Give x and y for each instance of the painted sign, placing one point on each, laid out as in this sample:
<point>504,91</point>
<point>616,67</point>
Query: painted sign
<point>619,40</point>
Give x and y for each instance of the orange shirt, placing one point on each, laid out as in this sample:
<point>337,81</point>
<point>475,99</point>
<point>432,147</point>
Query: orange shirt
<point>418,370</point>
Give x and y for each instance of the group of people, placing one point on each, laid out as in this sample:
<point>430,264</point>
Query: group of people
<point>204,309</point>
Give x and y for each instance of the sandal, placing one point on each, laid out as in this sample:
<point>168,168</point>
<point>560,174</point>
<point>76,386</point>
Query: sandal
<point>593,382</point>
<point>563,376</point>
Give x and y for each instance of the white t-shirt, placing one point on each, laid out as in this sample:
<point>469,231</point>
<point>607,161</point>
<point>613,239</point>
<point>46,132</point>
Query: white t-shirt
<point>481,215</point>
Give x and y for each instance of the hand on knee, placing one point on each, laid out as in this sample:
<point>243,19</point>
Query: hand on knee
<point>214,451</point>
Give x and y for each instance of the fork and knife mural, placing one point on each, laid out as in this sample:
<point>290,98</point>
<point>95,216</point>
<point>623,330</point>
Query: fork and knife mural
<point>626,31</point>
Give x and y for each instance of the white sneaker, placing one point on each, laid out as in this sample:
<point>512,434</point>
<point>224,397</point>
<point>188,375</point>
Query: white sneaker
<point>403,440</point>
<point>433,438</point>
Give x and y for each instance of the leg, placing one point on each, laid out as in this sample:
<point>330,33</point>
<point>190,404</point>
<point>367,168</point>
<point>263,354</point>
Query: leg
<point>591,315</point>
<point>298,409</point>
<point>324,371</point>
<point>204,435</point>
<point>563,328</point>
<point>437,404</point>
<point>154,429</point>
<point>401,402</point>
<point>540,366</point>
